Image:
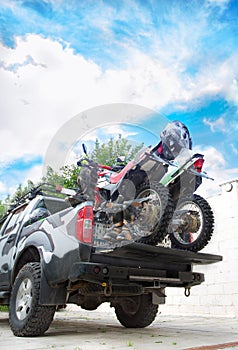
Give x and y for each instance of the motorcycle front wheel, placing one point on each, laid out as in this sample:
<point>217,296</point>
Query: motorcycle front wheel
<point>192,224</point>
<point>153,219</point>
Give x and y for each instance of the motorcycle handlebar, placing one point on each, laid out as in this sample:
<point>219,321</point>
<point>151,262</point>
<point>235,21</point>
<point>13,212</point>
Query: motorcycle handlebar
<point>89,162</point>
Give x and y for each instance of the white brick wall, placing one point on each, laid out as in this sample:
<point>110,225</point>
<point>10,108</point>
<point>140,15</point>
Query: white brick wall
<point>218,295</point>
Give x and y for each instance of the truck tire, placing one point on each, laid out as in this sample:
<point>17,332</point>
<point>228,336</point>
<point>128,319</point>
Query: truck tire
<point>26,317</point>
<point>158,213</point>
<point>196,224</point>
<point>137,311</point>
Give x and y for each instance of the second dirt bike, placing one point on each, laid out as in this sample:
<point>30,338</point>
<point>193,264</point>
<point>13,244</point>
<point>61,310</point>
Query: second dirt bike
<point>191,227</point>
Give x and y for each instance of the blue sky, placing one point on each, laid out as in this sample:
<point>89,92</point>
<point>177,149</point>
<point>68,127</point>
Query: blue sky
<point>60,58</point>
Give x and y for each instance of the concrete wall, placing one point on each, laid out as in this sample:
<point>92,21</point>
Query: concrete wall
<point>218,295</point>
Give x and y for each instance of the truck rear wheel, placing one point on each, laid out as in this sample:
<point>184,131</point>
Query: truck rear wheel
<point>26,317</point>
<point>137,311</point>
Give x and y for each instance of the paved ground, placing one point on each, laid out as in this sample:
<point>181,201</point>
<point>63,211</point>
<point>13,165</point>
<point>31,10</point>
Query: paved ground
<point>77,329</point>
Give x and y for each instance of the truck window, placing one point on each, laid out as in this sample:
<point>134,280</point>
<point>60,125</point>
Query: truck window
<point>10,224</point>
<point>2,223</point>
<point>53,205</point>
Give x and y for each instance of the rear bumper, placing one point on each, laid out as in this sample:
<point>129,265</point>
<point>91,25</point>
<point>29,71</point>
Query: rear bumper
<point>142,268</point>
<point>105,274</point>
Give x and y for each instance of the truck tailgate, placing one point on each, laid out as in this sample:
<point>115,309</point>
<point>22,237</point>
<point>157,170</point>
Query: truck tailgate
<point>157,255</point>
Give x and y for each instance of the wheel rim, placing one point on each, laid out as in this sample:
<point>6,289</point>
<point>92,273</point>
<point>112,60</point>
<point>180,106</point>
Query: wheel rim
<point>151,212</point>
<point>187,223</point>
<point>130,306</point>
<point>24,299</point>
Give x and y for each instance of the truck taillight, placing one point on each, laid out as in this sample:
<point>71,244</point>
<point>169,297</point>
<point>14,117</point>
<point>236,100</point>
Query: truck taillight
<point>84,225</point>
<point>198,165</point>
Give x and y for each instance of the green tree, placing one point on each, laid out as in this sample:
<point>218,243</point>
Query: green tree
<point>69,174</point>
<point>66,177</point>
<point>107,153</point>
<point>21,191</point>
<point>52,177</point>
<point>3,208</point>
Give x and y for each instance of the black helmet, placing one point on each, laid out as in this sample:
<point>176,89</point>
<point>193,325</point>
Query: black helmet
<point>174,137</point>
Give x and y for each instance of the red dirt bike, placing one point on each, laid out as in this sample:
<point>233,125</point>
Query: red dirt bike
<point>154,196</point>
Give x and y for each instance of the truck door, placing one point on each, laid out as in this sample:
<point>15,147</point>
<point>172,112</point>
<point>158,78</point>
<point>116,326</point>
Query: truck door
<point>8,235</point>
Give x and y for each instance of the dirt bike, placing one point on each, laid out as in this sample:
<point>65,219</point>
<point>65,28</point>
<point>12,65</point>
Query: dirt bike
<point>148,188</point>
<point>142,208</point>
<point>192,225</point>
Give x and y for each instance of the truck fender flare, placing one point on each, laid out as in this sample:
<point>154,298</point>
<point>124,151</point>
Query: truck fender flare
<point>31,251</point>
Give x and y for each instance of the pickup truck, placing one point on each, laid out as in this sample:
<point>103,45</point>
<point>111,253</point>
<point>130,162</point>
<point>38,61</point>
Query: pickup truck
<point>51,253</point>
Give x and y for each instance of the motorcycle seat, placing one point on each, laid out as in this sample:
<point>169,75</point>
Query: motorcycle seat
<point>114,178</point>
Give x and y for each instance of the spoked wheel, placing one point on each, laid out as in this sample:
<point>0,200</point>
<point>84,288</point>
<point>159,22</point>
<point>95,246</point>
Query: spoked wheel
<point>192,224</point>
<point>154,216</point>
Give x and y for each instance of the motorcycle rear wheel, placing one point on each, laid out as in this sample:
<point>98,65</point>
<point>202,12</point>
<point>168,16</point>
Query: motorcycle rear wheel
<point>192,224</point>
<point>157,213</point>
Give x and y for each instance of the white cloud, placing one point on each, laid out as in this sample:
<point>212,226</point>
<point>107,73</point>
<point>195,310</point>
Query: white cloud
<point>214,78</point>
<point>214,160</point>
<point>43,92</point>
<point>34,174</point>
<point>14,177</point>
<point>232,94</point>
<point>2,187</point>
<point>215,166</point>
<point>221,3</point>
<point>103,135</point>
<point>117,129</point>
<point>40,93</point>
<point>234,149</point>
<point>43,85</point>
<point>218,125</point>
<point>107,131</point>
<point>36,99</point>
